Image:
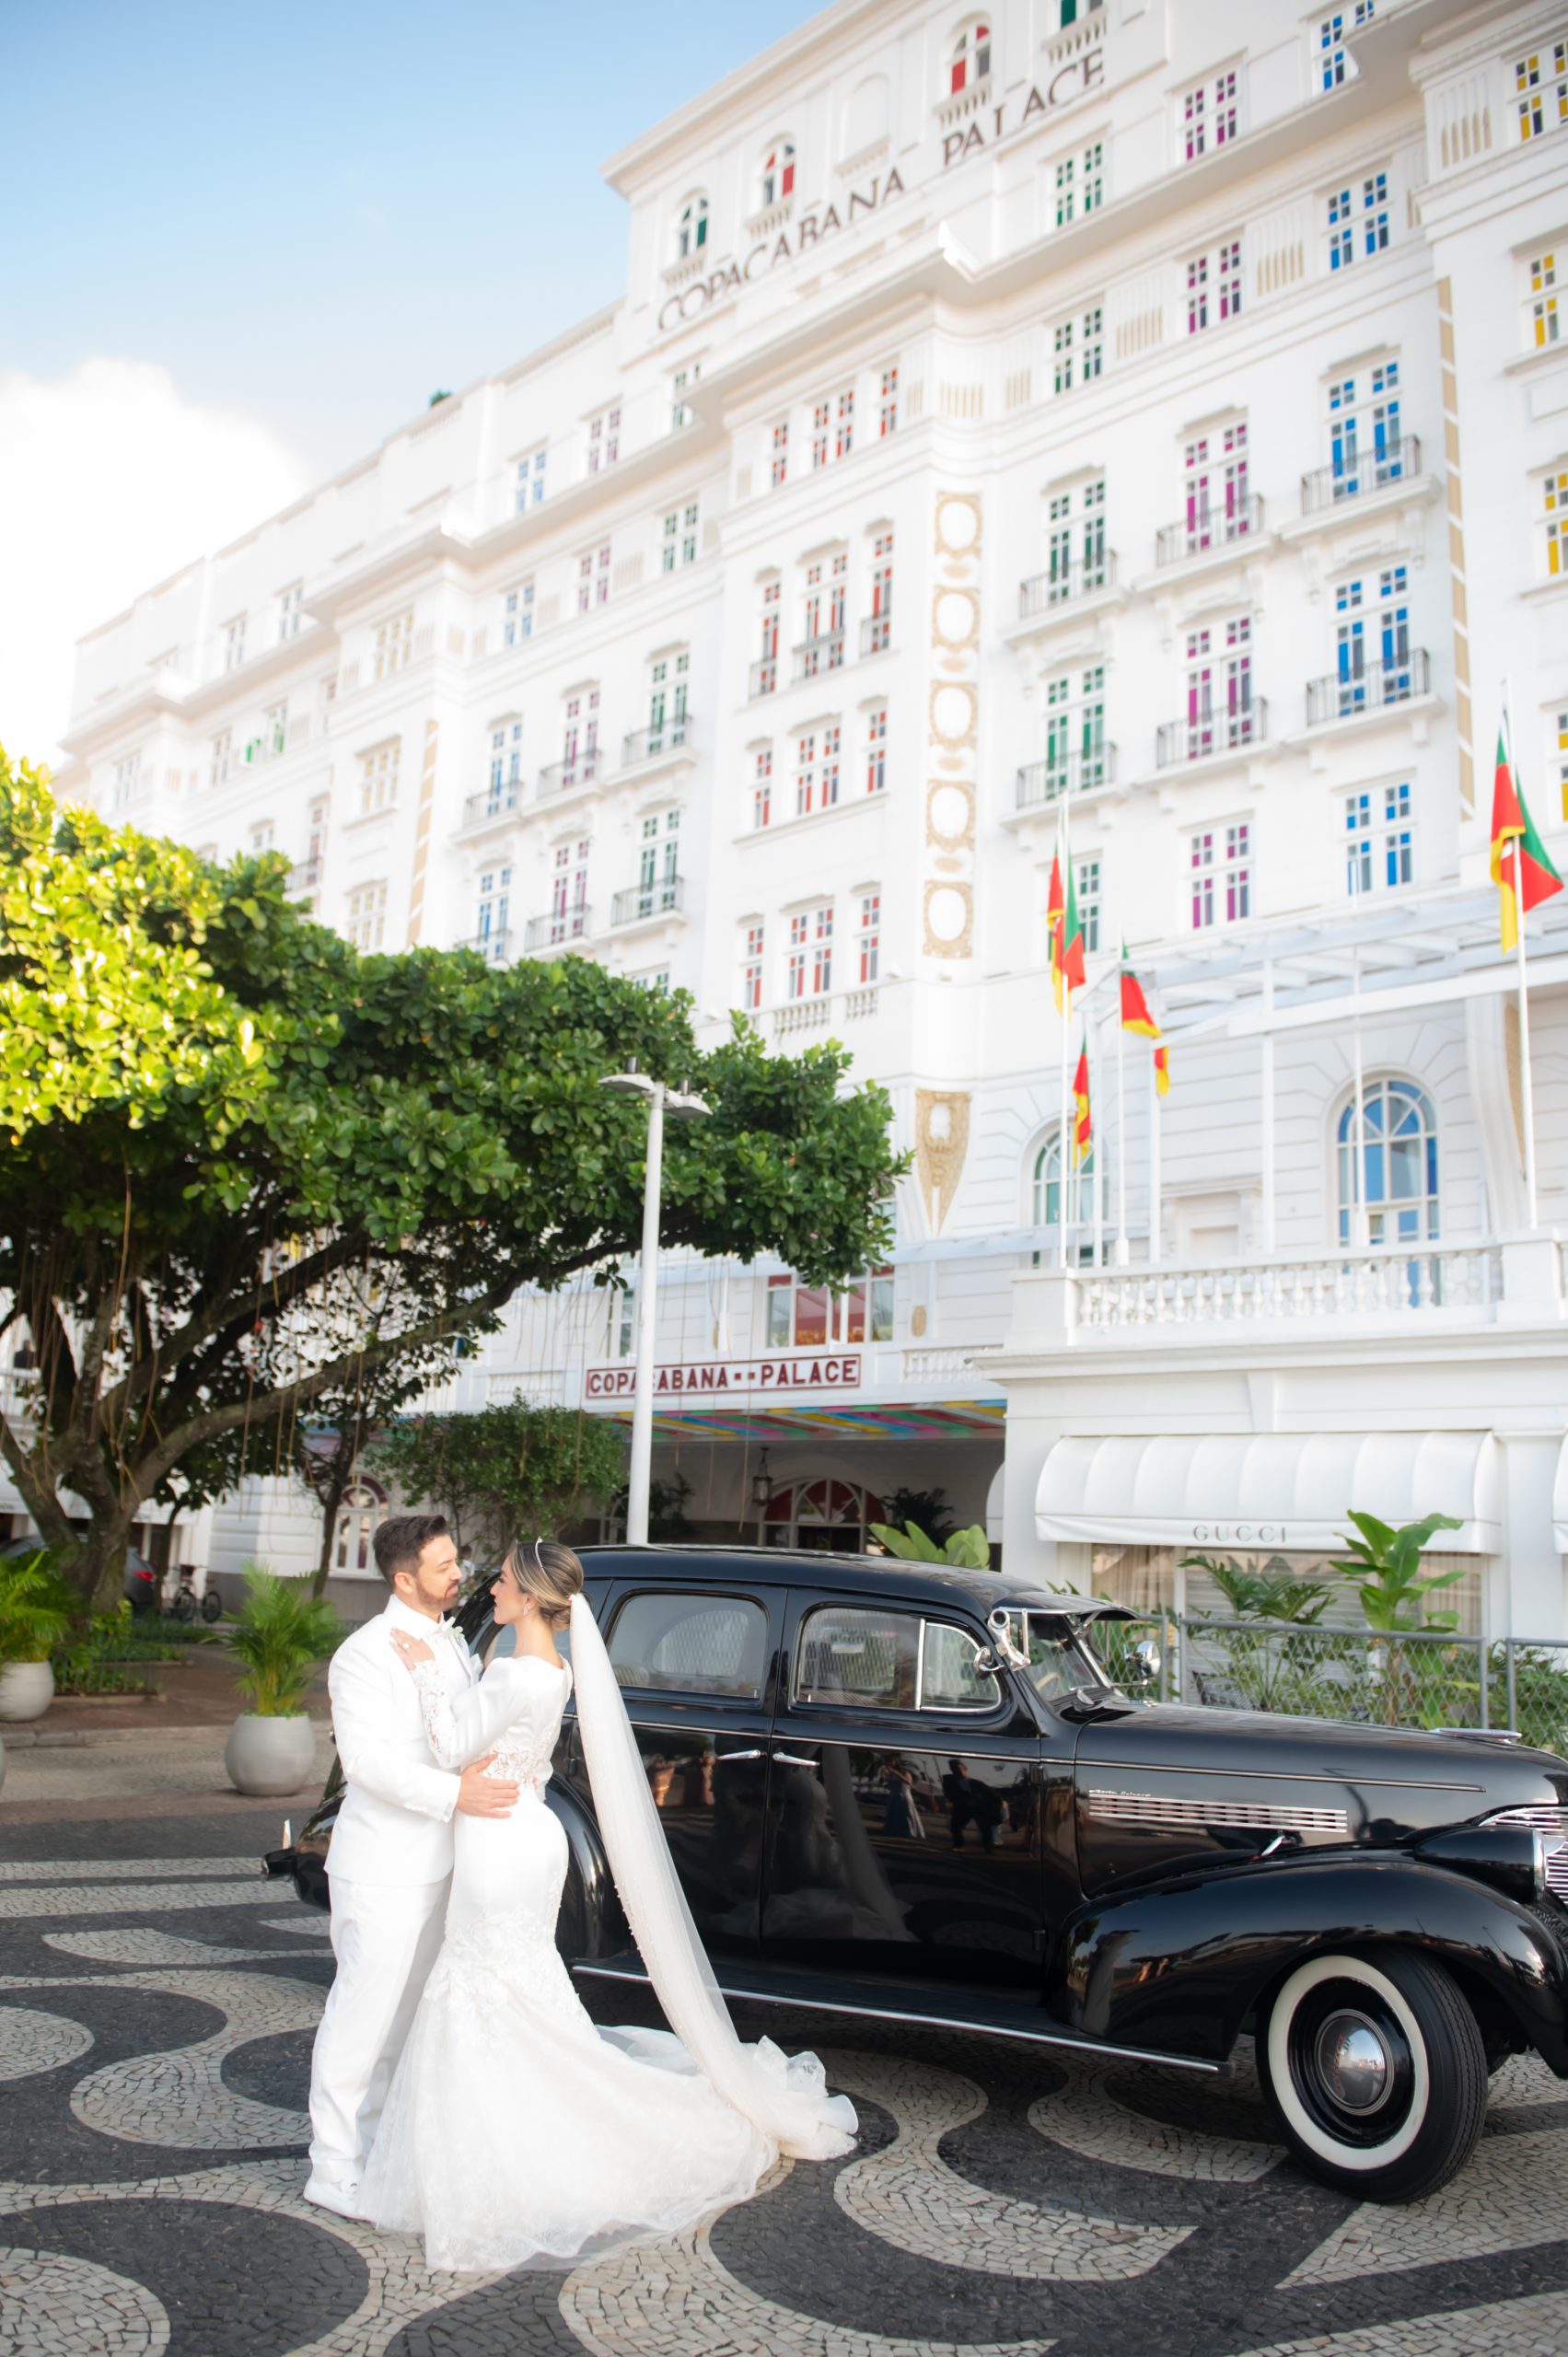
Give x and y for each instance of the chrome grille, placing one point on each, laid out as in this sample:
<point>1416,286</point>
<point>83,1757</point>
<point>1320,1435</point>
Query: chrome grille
<point>1541,1817</point>
<point>1166,1811</point>
<point>1557,1872</point>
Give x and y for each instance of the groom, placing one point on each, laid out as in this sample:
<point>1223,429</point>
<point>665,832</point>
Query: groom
<point>390,1858</point>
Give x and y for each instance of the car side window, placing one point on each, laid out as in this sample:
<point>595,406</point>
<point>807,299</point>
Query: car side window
<point>869,1659</point>
<point>690,1645</point>
<point>948,1678</point>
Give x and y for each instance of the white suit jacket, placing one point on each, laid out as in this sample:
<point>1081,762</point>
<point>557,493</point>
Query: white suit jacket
<point>395,1825</point>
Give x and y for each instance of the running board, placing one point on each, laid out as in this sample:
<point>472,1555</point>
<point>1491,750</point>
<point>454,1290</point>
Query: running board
<point>982,2020</point>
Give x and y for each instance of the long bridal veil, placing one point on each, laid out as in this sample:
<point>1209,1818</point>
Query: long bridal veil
<point>783,2097</point>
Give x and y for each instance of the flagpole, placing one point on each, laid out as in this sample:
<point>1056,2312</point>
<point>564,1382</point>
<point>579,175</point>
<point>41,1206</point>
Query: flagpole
<point>1064,1135</point>
<point>1099,1175</point>
<point>1120,1142</point>
<point>1527,1085</point>
<point>1154,1164</point>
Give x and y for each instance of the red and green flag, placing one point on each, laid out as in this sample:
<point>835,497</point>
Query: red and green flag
<point>1072,973</point>
<point>1521,870</point>
<point>1083,1124</point>
<point>1055,912</point>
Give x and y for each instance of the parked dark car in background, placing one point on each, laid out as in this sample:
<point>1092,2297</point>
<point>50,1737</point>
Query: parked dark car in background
<point>139,1585</point>
<point>912,1791</point>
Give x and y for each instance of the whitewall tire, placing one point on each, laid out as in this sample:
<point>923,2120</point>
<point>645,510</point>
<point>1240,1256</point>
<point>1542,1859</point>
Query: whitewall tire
<point>1376,2071</point>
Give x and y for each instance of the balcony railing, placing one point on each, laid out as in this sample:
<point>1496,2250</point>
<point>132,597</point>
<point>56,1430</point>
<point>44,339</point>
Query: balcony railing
<point>1326,487</point>
<point>491,945</point>
<point>1064,584</point>
<point>1196,534</point>
<point>559,777</point>
<point>304,876</point>
<point>560,925</point>
<point>804,1014</point>
<point>1202,736</point>
<point>1076,772</point>
<point>494,802</point>
<point>1306,1286</point>
<point>1376,684</point>
<point>653,744</point>
<point>643,901</point>
<point>814,655</point>
<point>764,677</point>
<point>877,632</point>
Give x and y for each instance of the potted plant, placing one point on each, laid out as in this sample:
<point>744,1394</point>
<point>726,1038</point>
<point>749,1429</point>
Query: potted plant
<point>279,1634</point>
<point>35,1617</point>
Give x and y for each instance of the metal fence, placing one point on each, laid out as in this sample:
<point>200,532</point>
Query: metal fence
<point>1366,1676</point>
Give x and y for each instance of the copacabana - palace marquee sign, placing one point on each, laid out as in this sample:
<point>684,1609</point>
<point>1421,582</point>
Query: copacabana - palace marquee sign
<point>818,222</point>
<point>837,1372</point>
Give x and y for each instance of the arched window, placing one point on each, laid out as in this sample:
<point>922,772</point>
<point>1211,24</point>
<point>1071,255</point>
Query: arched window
<point>359,1517</point>
<point>693,230</point>
<point>1046,1203</point>
<point>970,59</point>
<point>778,172</point>
<point>826,1515</point>
<point>1397,1189</point>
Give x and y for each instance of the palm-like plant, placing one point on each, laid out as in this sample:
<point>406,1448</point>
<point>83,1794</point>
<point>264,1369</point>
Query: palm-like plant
<point>968,1546</point>
<point>279,1634</point>
<point>36,1609</point>
<point>1384,1567</point>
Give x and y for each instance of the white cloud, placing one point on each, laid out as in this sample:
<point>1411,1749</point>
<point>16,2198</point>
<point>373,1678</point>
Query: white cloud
<point>110,479</point>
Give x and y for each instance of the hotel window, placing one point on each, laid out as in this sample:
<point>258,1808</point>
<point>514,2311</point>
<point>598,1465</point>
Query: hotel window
<point>316,837</point>
<point>517,614</point>
<point>1372,664</point>
<point>1213,287</point>
<point>810,1316</point>
<point>127,779</point>
<point>528,488</point>
<point>751,968</point>
<point>579,755</point>
<point>780,469</point>
<point>765,671</point>
<point>680,543</point>
<point>680,409</point>
<point>222,755</point>
<point>1221,866</point>
<point>669,686</point>
<point>762,787</point>
<point>1073,12</point>
<point>1076,558</point>
<point>821,416</point>
<point>621,1321</point>
<point>262,837</point>
<point>822,639</point>
<point>1332,65</point>
<point>877,748</point>
<point>1080,184</point>
<point>692,230</point>
<point>291,613</point>
<point>1560,758</point>
<point>1079,350</point>
<point>879,621</point>
<point>1540,82</point>
<point>1208,116</point>
<point>817,764</point>
<point>869,937</point>
<point>1398,1152</point>
<point>1216,507</point>
<point>1075,757</point>
<point>593,578</point>
<point>274,730</point>
<point>569,893</point>
<point>1086,880</point>
<point>888,403</point>
<point>778,172</point>
<point>810,968</point>
<point>1377,840</point>
<point>1364,438</point>
<point>234,644</point>
<point>1554,522</point>
<point>394,645</point>
<point>378,777</point>
<point>658,864</point>
<point>505,759</point>
<point>1542,326</point>
<point>968,61</point>
<point>494,894</point>
<point>1219,689</point>
<point>1358,220</point>
<point>367,915</point>
<point>604,439</point>
<point>843,433</point>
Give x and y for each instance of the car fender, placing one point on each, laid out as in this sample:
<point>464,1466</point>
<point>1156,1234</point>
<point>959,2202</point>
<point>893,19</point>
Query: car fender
<point>1179,1964</point>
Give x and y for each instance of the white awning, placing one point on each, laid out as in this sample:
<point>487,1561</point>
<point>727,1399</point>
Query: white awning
<point>1268,1490</point>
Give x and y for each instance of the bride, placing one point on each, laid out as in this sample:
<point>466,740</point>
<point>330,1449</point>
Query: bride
<point>516,2130</point>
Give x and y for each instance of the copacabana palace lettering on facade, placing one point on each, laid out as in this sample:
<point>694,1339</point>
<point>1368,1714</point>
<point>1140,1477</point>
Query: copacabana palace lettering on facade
<point>838,1373</point>
<point>1070,82</point>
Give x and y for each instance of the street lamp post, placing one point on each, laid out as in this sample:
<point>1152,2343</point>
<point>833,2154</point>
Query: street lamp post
<point>681,1105</point>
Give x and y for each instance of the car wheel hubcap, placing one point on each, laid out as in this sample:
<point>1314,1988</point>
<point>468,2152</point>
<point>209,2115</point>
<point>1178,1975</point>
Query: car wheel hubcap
<point>1350,2064</point>
<point>1354,2063</point>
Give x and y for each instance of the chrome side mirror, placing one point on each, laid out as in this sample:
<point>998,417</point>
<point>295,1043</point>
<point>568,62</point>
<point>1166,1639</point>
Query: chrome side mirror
<point>1144,1661</point>
<point>999,1622</point>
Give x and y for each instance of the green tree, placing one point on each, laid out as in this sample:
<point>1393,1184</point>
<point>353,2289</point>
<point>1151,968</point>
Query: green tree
<point>504,1470</point>
<point>1383,1563</point>
<point>243,1167</point>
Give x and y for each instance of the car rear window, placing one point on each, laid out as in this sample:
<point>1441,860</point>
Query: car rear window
<point>690,1645</point>
<point>874,1659</point>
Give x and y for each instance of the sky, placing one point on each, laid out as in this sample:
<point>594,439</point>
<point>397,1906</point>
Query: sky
<point>239,247</point>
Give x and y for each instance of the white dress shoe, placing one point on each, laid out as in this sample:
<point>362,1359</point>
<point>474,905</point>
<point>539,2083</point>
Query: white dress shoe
<point>342,2199</point>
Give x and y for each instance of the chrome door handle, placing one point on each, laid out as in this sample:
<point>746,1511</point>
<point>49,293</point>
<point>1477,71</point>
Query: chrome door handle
<point>791,1760</point>
<point>723,1759</point>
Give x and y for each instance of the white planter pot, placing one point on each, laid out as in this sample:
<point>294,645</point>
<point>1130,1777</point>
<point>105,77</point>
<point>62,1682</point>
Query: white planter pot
<point>26,1690</point>
<point>268,1758</point>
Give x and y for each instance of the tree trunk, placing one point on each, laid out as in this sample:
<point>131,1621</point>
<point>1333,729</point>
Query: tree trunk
<point>332,1499</point>
<point>96,1569</point>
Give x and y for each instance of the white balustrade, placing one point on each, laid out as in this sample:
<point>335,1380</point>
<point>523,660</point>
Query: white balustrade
<point>1389,1283</point>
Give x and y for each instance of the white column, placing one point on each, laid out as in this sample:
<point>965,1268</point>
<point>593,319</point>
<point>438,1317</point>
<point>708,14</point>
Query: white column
<point>647,1305</point>
<point>1268,1239</point>
<point>1154,1165</point>
<point>1121,1138</point>
<point>1360,1229</point>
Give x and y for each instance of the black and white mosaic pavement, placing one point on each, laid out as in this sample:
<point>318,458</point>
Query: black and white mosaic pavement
<point>157,2006</point>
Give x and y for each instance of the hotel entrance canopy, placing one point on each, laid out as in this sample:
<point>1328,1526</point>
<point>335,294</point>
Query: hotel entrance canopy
<point>1261,1491</point>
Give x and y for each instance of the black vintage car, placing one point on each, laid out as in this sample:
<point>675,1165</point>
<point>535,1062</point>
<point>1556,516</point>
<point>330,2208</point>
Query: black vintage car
<point>902,1789</point>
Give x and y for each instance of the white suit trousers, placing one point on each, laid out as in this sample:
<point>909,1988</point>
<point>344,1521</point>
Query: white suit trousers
<point>386,1936</point>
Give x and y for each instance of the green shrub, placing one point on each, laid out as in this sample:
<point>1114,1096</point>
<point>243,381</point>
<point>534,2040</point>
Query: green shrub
<point>280,1632</point>
<point>36,1609</point>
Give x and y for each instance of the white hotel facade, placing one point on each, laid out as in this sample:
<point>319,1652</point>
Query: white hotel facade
<point>1153,417</point>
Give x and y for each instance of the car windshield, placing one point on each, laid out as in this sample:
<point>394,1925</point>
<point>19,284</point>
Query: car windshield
<point>1060,1660</point>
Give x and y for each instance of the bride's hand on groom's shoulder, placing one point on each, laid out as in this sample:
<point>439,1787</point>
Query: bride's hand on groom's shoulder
<point>409,1649</point>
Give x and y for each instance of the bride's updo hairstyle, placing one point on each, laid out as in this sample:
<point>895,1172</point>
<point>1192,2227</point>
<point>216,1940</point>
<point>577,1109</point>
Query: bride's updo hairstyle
<point>548,1572</point>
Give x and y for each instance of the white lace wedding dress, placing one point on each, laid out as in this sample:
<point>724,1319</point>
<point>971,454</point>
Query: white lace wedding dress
<point>516,2130</point>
